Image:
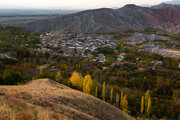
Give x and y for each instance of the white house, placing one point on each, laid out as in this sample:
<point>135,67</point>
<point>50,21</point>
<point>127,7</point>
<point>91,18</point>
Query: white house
<point>101,58</point>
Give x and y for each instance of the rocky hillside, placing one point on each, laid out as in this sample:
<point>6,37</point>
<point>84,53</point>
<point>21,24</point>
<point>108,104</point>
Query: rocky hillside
<point>145,37</point>
<point>110,20</point>
<point>44,99</point>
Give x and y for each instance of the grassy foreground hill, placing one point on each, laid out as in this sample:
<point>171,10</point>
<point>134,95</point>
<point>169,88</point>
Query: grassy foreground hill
<point>44,99</point>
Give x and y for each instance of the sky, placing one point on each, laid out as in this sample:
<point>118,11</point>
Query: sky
<point>71,4</point>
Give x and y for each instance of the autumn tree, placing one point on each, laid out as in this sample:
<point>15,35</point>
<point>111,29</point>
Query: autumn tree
<point>148,102</point>
<point>87,84</point>
<point>58,76</point>
<point>103,91</point>
<point>121,103</point>
<point>124,101</point>
<point>147,95</point>
<point>149,106</point>
<point>41,70</point>
<point>117,99</point>
<point>142,105</point>
<point>78,66</point>
<point>111,97</point>
<point>76,80</point>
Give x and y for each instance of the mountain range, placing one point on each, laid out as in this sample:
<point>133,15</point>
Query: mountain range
<point>112,20</point>
<point>165,5</point>
<point>173,2</point>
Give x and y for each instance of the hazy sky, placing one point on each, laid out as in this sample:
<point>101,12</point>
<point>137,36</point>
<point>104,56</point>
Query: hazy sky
<point>74,4</point>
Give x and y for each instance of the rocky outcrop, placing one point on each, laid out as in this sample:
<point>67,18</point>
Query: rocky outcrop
<point>145,37</point>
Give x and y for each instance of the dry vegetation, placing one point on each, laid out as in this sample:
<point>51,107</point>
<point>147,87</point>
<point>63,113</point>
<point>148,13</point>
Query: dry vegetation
<point>44,99</point>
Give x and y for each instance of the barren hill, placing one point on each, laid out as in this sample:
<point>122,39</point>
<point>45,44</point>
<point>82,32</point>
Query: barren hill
<point>145,37</point>
<point>44,99</point>
<point>111,20</point>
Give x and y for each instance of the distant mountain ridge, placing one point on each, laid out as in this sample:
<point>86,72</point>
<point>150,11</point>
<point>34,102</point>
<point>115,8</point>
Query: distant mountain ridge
<point>177,2</point>
<point>165,5</point>
<point>111,20</point>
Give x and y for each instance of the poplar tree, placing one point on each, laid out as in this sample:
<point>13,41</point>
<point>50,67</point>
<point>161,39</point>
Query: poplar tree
<point>121,103</point>
<point>147,102</point>
<point>103,91</point>
<point>41,69</point>
<point>142,105</point>
<point>111,97</point>
<point>87,88</point>
<point>147,95</point>
<point>117,99</point>
<point>125,102</point>
<point>87,84</point>
<point>149,106</point>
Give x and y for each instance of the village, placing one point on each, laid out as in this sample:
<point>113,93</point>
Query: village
<point>75,45</point>
<point>70,44</point>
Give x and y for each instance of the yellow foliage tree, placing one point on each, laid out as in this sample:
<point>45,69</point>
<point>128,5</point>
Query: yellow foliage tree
<point>58,76</point>
<point>117,99</point>
<point>76,80</point>
<point>96,92</point>
<point>41,69</point>
<point>122,43</point>
<point>142,105</point>
<point>147,95</point>
<point>125,102</point>
<point>121,103</point>
<point>149,106</point>
<point>88,88</point>
<point>87,84</point>
<point>77,66</point>
<point>111,97</point>
<point>104,91</point>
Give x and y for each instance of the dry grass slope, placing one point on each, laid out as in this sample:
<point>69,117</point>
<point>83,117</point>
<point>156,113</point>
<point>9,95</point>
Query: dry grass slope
<point>44,99</point>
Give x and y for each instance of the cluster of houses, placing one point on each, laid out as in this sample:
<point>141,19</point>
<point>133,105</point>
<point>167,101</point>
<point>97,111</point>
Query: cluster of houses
<point>101,58</point>
<point>71,44</point>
